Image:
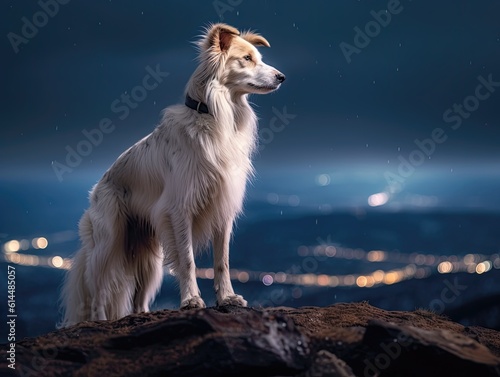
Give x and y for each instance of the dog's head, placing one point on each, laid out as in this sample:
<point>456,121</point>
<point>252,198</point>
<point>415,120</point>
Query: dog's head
<point>236,61</point>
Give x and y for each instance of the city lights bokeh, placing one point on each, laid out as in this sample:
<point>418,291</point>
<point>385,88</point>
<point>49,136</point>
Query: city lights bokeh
<point>412,266</point>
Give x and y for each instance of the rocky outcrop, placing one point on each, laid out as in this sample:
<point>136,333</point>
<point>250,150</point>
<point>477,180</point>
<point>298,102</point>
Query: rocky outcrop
<point>342,340</point>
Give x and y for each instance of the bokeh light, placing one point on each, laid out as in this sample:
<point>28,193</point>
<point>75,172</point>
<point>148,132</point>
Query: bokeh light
<point>323,180</point>
<point>445,267</point>
<point>57,262</point>
<point>12,246</point>
<point>378,199</point>
<point>267,280</point>
<point>39,243</point>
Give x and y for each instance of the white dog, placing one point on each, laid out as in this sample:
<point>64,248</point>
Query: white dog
<point>174,191</point>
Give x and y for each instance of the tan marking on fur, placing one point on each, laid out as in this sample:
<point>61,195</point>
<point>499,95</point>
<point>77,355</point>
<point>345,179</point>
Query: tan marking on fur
<point>255,39</point>
<point>240,48</point>
<point>221,35</point>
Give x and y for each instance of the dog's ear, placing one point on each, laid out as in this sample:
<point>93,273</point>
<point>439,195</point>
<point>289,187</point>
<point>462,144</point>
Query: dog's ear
<point>221,35</point>
<point>255,39</point>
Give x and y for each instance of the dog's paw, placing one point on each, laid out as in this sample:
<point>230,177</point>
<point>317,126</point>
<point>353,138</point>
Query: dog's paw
<point>193,303</point>
<point>233,300</point>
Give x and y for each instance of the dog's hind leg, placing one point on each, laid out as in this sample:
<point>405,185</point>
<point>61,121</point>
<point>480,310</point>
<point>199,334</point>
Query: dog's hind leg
<point>222,281</point>
<point>75,293</point>
<point>111,286</point>
<point>111,282</point>
<point>148,266</point>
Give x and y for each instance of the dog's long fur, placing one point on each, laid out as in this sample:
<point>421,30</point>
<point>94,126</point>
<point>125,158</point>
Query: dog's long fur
<point>174,191</point>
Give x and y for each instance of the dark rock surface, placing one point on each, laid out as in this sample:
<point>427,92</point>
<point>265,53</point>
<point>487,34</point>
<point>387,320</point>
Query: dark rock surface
<point>342,340</point>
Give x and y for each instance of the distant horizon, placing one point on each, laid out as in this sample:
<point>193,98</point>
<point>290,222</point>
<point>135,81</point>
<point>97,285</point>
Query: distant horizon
<point>273,193</point>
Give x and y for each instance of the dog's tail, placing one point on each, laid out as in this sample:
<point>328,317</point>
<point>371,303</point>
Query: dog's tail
<point>75,295</point>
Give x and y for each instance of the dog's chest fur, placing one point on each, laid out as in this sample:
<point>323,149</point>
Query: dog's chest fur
<point>207,164</point>
<point>224,164</point>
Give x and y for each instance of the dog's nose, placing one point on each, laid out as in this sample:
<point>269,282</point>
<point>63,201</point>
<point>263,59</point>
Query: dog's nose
<point>280,77</point>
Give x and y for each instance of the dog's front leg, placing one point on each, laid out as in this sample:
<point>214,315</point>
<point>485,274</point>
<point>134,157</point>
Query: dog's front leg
<point>184,264</point>
<point>222,281</point>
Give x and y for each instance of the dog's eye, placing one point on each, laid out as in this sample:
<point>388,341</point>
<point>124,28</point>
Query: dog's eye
<point>248,58</point>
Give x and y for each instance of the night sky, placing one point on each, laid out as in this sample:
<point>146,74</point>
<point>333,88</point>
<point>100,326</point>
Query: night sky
<point>355,103</point>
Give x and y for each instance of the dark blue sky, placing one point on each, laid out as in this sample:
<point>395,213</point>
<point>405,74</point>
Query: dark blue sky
<point>350,119</point>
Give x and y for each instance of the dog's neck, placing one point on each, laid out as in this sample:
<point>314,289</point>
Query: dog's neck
<point>232,113</point>
<point>230,109</point>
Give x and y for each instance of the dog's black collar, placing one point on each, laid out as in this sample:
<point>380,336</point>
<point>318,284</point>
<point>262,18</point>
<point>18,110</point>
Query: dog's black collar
<point>196,105</point>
